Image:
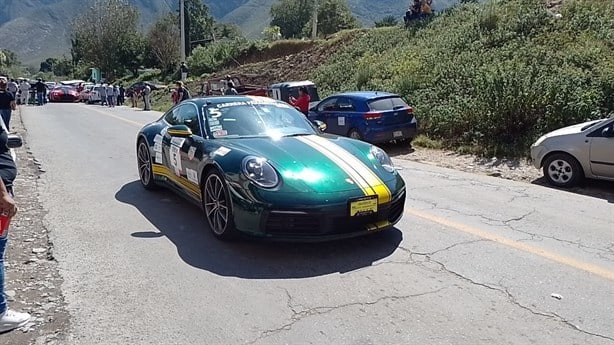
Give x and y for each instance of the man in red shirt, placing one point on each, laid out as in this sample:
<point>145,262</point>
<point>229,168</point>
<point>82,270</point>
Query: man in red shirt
<point>302,102</point>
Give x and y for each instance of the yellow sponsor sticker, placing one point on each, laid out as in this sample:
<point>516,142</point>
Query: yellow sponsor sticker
<point>363,206</point>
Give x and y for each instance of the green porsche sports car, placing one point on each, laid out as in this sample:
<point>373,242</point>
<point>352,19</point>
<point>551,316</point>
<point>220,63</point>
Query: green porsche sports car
<point>257,166</point>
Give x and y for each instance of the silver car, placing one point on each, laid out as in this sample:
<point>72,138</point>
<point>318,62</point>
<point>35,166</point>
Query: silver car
<point>569,154</point>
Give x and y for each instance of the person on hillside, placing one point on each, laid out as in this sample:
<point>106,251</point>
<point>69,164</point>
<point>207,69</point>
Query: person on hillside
<point>41,89</point>
<point>146,98</point>
<point>230,89</point>
<point>426,8</point>
<point>184,71</point>
<point>302,102</point>
<point>24,87</point>
<point>182,92</point>
<point>7,102</point>
<point>9,319</point>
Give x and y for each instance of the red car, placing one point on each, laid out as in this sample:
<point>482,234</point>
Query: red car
<point>64,94</point>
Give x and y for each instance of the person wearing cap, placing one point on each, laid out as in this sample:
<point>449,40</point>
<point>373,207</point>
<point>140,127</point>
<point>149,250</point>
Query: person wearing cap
<point>302,102</point>
<point>7,102</point>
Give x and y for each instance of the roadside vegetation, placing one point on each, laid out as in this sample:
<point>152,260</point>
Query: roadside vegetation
<point>489,78</point>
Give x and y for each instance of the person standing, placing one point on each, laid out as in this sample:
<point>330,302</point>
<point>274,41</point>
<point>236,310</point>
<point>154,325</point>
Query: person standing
<point>24,87</point>
<point>302,102</point>
<point>7,102</point>
<point>181,93</point>
<point>9,319</point>
<point>12,88</point>
<point>110,93</point>
<point>122,95</point>
<point>230,89</point>
<point>146,97</point>
<point>40,88</point>
<point>184,71</point>
<point>103,94</point>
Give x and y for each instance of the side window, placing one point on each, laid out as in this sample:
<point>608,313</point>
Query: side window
<point>172,116</point>
<point>187,114</point>
<point>328,105</point>
<point>345,104</point>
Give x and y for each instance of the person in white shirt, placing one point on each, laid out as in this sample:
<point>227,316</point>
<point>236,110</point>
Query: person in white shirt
<point>24,87</point>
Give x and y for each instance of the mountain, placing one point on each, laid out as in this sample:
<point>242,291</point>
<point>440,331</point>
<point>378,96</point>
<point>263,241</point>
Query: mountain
<point>37,29</point>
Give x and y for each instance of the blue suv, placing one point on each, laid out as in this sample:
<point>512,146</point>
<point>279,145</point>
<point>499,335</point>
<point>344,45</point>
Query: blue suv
<point>371,116</point>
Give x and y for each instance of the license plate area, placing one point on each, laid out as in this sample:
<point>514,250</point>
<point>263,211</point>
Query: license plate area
<point>363,206</point>
<point>397,134</point>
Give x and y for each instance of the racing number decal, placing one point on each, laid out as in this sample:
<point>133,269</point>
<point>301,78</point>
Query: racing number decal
<point>175,156</point>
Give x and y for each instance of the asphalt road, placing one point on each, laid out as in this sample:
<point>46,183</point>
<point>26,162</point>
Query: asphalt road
<point>475,260</point>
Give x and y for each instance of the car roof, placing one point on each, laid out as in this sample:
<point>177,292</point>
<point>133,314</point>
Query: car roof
<point>203,101</point>
<point>365,95</point>
<point>294,84</point>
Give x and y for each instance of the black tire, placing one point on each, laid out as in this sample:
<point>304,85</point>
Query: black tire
<point>562,170</point>
<point>143,157</point>
<point>217,206</point>
<point>354,134</point>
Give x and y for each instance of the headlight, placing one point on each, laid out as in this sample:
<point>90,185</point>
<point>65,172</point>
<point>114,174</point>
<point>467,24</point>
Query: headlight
<point>382,158</point>
<point>259,171</point>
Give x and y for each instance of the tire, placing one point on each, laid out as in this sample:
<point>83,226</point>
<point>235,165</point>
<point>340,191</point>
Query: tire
<point>562,170</point>
<point>143,157</point>
<point>217,206</point>
<point>354,134</point>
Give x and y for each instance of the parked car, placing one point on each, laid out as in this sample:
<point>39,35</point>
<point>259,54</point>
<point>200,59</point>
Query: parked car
<point>63,94</point>
<point>372,116</point>
<point>570,154</point>
<point>139,86</point>
<point>84,95</point>
<point>94,95</point>
<point>273,175</point>
<point>283,91</point>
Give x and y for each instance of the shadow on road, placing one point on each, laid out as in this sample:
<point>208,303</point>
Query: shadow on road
<point>183,224</point>
<point>593,188</point>
<point>394,149</point>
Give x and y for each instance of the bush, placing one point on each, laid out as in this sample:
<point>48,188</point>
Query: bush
<point>494,76</point>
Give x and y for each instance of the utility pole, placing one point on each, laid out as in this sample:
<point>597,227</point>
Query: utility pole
<point>314,24</point>
<point>182,23</point>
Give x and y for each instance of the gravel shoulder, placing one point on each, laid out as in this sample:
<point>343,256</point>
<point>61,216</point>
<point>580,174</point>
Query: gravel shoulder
<point>33,282</point>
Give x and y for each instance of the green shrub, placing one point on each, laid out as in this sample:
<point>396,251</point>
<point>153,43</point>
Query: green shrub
<point>493,76</point>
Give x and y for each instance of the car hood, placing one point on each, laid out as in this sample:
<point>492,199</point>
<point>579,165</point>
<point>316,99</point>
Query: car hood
<point>573,129</point>
<point>307,166</point>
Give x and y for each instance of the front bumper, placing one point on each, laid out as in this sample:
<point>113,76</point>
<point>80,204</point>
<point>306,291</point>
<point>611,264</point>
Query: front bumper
<point>322,223</point>
<point>537,155</point>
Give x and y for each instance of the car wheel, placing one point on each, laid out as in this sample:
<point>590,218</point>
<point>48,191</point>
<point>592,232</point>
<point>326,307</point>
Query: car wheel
<point>562,170</point>
<point>355,134</point>
<point>217,206</point>
<point>145,166</point>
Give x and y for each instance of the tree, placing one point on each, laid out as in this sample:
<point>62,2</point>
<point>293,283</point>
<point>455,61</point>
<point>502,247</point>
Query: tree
<point>387,21</point>
<point>291,16</point>
<point>272,33</point>
<point>199,24</point>
<point>47,65</point>
<point>163,39</point>
<point>224,30</point>
<point>63,67</point>
<point>107,37</point>
<point>333,16</point>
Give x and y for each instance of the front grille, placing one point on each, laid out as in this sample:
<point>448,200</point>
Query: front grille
<point>396,208</point>
<point>295,223</point>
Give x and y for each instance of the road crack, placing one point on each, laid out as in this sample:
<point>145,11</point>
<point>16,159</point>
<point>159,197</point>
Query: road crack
<point>503,290</point>
<point>308,312</point>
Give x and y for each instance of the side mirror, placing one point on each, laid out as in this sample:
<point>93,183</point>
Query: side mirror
<point>181,131</point>
<point>14,141</point>
<point>320,125</point>
<point>607,132</point>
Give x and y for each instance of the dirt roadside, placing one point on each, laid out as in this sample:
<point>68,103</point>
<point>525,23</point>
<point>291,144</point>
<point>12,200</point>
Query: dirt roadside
<point>32,279</point>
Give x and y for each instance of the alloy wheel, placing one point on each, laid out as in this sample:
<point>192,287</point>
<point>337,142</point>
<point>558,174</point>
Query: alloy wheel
<point>216,204</point>
<point>144,164</point>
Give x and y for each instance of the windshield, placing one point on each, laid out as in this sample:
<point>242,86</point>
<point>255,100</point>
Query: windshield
<point>256,119</point>
<point>591,125</point>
